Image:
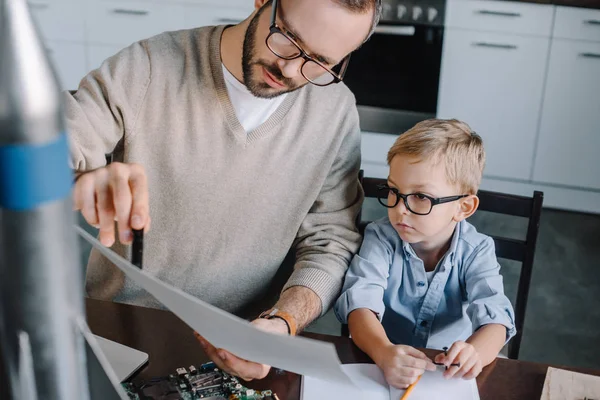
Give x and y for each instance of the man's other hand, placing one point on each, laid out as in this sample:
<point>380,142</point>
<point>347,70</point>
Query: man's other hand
<point>233,365</point>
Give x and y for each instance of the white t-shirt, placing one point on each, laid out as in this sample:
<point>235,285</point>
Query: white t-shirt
<point>250,110</point>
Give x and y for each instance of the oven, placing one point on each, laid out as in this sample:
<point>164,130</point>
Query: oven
<point>395,75</point>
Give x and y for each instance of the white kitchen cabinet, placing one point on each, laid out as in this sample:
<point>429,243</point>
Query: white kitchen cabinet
<point>374,150</point>
<point>202,15</point>
<point>568,151</point>
<point>96,54</point>
<point>375,146</point>
<point>69,62</point>
<point>59,19</point>
<point>125,22</point>
<point>577,23</point>
<point>244,4</point>
<point>500,16</point>
<point>494,82</point>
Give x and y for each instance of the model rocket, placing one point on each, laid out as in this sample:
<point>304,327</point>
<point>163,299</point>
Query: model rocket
<point>41,286</point>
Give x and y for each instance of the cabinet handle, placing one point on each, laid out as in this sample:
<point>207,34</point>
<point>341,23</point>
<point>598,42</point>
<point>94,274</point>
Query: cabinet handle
<point>498,13</point>
<point>130,12</point>
<point>228,20</point>
<point>495,45</point>
<point>38,6</point>
<point>590,55</point>
<point>592,22</point>
<point>407,30</point>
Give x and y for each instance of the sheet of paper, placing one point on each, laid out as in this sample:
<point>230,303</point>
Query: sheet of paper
<point>566,385</point>
<point>372,386</point>
<point>368,378</point>
<point>295,354</point>
<point>434,386</point>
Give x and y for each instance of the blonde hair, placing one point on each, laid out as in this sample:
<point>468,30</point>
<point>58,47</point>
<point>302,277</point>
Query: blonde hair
<point>449,141</point>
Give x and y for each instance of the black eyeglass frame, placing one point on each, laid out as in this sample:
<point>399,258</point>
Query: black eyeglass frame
<point>433,200</point>
<point>274,28</point>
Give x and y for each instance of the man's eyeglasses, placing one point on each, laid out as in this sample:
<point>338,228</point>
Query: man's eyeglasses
<point>281,43</point>
<point>416,203</point>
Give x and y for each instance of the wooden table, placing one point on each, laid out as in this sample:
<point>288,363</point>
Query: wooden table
<point>171,344</point>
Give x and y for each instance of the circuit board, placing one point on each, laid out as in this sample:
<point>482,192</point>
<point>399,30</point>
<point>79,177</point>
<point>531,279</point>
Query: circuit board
<point>206,382</point>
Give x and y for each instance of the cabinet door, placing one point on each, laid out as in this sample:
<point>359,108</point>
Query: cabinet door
<point>568,151</point>
<point>123,23</point>
<point>247,4</point>
<point>69,63</point>
<point>97,53</point>
<point>577,23</point>
<point>500,16</point>
<point>494,82</point>
<point>205,15</point>
<point>59,19</point>
<point>375,146</point>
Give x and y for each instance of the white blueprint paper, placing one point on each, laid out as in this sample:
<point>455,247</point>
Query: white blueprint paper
<point>223,330</point>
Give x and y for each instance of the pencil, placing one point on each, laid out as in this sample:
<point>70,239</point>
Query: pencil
<point>410,388</point>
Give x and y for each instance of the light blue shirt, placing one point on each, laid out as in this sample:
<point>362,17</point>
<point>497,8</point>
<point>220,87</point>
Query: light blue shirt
<point>465,292</point>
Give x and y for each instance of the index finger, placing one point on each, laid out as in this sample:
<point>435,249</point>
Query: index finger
<point>414,362</point>
<point>411,351</point>
<point>122,202</point>
<point>420,356</point>
<point>140,207</point>
<point>453,353</point>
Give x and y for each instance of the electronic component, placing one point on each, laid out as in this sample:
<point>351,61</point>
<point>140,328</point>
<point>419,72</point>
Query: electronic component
<point>204,383</point>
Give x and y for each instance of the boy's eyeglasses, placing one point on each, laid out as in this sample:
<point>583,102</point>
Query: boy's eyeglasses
<point>416,203</point>
<point>284,46</point>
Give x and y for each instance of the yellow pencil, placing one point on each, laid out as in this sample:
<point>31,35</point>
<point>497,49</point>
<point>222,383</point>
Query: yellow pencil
<point>410,389</point>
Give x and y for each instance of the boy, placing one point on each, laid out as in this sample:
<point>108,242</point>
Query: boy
<point>424,277</point>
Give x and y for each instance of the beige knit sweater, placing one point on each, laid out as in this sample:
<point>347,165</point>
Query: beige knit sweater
<point>226,205</point>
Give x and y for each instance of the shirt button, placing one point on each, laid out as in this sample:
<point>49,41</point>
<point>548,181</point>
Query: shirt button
<point>420,284</point>
<point>424,324</point>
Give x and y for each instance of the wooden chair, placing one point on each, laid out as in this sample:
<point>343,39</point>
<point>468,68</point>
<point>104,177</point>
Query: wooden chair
<point>522,251</point>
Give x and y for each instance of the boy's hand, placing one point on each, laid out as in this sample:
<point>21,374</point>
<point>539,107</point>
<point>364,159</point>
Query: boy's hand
<point>467,356</point>
<point>402,365</point>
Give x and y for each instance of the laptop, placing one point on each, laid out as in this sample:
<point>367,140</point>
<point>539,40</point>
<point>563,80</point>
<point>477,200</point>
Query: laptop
<point>124,360</point>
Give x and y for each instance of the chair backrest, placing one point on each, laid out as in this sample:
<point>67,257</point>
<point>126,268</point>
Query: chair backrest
<point>522,251</point>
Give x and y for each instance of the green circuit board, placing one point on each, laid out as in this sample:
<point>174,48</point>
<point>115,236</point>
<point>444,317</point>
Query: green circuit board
<point>205,382</point>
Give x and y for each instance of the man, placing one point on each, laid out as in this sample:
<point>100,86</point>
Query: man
<point>237,143</point>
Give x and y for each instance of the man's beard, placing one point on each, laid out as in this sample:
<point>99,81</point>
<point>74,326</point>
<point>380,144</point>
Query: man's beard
<point>257,86</point>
